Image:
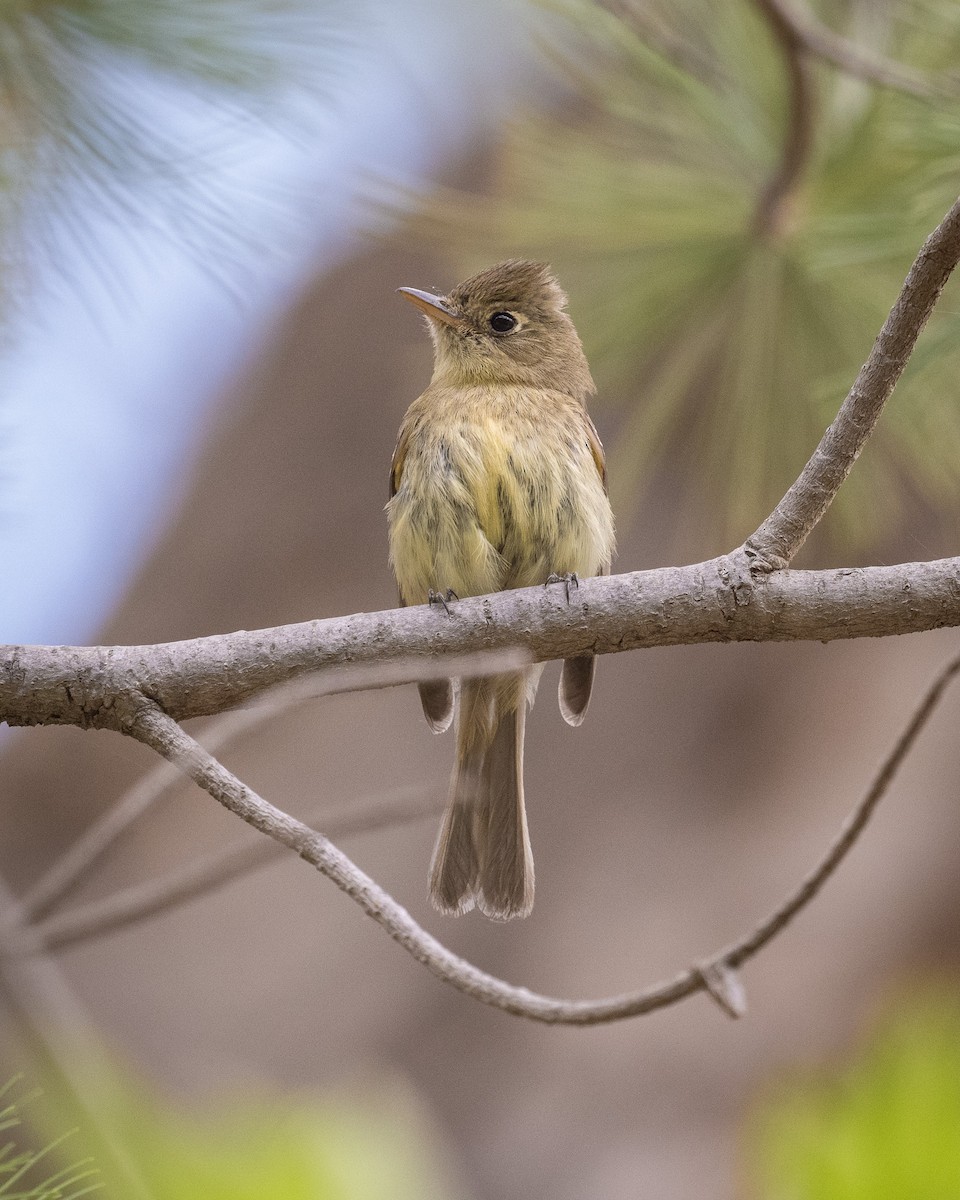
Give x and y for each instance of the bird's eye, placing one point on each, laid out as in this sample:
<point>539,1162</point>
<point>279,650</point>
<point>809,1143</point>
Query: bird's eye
<point>502,322</point>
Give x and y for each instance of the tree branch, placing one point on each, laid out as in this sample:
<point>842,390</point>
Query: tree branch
<point>64,874</point>
<point>725,599</point>
<point>782,534</point>
<point>144,691</point>
<point>737,954</point>
<point>96,687</point>
<point>717,975</point>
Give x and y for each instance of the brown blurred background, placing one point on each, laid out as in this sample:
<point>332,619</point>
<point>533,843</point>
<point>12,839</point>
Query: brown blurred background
<point>706,781</point>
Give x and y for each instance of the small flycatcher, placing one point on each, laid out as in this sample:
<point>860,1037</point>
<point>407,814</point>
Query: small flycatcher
<point>498,481</point>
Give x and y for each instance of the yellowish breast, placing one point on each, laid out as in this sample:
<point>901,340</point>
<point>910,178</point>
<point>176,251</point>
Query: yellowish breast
<point>498,488</point>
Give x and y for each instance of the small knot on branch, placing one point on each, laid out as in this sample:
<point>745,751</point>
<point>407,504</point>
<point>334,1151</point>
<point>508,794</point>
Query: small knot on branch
<point>724,985</point>
<point>759,560</point>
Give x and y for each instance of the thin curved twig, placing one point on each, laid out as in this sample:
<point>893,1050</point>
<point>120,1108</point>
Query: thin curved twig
<point>131,905</point>
<point>781,535</point>
<point>66,873</point>
<point>716,976</point>
<point>775,206</point>
<point>740,951</point>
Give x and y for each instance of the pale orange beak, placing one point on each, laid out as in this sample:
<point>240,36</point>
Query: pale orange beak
<point>436,308</point>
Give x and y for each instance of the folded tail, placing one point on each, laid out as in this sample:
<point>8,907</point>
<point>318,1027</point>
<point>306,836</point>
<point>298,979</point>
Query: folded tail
<point>576,684</point>
<point>483,852</point>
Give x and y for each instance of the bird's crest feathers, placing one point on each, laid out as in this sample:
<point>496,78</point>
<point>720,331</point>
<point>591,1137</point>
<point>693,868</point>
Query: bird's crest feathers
<point>515,284</point>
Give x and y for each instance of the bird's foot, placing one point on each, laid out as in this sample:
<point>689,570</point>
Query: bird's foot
<point>442,598</point>
<point>568,579</point>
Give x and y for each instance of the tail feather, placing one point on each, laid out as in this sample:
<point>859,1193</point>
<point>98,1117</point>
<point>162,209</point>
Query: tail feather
<point>436,696</point>
<point>506,862</point>
<point>483,852</point>
<point>455,868</point>
<point>576,684</point>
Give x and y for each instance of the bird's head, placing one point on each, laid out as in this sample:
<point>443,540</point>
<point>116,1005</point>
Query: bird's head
<point>505,325</point>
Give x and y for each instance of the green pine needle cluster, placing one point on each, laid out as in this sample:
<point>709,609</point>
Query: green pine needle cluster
<point>727,351</point>
<point>74,142</point>
<point>26,1174</point>
<point>372,1142</point>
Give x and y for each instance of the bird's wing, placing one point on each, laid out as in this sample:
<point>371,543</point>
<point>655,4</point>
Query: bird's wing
<point>400,455</point>
<point>576,675</point>
<point>436,695</point>
<point>596,448</point>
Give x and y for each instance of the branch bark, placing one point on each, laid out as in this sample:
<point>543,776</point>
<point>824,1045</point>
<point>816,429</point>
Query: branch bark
<point>96,687</point>
<point>65,873</point>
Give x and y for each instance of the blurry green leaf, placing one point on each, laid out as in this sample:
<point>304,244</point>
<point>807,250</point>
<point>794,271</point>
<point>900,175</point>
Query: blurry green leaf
<point>887,1127</point>
<point>370,1143</point>
<point>729,352</point>
<point>263,1147</point>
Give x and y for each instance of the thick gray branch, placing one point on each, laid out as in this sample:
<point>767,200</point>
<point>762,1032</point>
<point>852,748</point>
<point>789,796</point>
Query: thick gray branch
<point>671,606</point>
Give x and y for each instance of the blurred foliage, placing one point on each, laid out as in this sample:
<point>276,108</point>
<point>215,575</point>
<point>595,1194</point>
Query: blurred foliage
<point>728,350</point>
<point>20,1170</point>
<point>885,1128</point>
<point>76,138</point>
<point>261,1148</point>
<point>372,1143</point>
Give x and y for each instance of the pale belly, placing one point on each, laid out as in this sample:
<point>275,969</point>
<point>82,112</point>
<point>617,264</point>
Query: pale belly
<point>482,508</point>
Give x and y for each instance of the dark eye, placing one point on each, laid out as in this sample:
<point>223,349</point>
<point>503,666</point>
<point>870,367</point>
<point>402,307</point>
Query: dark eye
<point>502,322</point>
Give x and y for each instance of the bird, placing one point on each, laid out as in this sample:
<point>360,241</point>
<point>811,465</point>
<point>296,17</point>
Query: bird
<point>498,481</point>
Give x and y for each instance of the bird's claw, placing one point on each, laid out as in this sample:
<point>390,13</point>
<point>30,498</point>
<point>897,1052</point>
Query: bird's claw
<point>571,577</point>
<point>442,598</point>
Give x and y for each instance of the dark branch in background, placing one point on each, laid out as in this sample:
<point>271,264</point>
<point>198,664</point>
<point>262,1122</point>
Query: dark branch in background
<point>141,901</point>
<point>817,39</point>
<point>786,529</point>
<point>775,208</point>
<point>67,872</point>
<point>717,975</point>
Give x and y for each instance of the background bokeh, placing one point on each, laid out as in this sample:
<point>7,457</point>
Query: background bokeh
<point>706,781</point>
